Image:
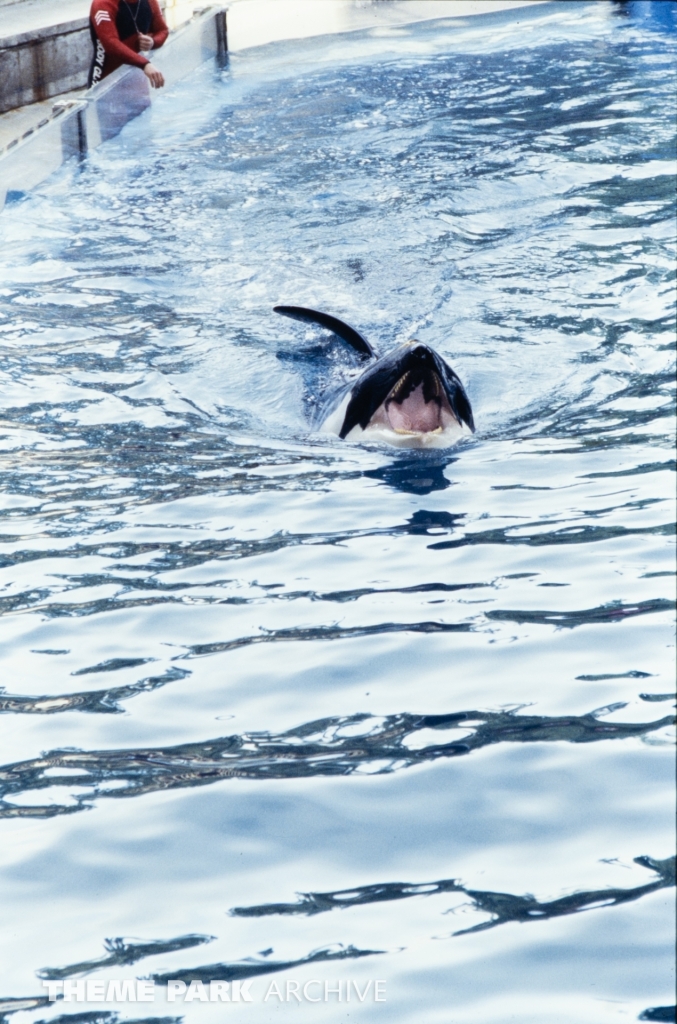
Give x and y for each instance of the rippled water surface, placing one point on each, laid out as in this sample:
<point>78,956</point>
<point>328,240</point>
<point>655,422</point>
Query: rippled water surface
<point>282,708</point>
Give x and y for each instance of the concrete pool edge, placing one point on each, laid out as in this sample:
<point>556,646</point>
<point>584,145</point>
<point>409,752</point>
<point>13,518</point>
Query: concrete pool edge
<point>82,123</point>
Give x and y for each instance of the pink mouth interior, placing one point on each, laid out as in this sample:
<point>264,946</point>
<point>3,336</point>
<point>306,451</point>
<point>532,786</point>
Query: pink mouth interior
<point>414,414</point>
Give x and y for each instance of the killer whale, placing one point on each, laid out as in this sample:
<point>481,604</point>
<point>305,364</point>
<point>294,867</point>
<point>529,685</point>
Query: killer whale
<point>409,398</point>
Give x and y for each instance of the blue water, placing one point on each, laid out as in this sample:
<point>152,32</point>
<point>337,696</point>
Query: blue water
<point>244,661</point>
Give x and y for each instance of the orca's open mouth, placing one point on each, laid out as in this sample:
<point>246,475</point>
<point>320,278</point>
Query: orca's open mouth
<point>411,391</point>
<point>416,403</point>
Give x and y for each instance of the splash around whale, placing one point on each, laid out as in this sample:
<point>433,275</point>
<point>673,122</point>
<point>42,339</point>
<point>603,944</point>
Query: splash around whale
<point>410,397</point>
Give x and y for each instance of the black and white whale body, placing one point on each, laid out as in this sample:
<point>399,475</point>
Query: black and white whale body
<point>410,397</point>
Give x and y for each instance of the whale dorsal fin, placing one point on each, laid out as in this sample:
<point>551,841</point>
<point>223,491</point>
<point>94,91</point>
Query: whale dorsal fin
<point>332,323</point>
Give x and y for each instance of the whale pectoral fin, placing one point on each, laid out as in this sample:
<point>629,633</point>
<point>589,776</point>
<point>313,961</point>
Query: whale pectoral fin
<point>331,323</point>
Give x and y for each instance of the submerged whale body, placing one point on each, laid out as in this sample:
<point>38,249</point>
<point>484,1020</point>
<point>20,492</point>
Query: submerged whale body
<point>410,397</point>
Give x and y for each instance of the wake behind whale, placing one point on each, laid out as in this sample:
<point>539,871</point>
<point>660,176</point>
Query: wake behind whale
<point>410,398</point>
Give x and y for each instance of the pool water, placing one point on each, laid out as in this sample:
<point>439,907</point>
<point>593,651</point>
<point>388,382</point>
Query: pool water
<point>281,708</point>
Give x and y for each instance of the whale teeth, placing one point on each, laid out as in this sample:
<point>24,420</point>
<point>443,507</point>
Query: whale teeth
<point>399,387</point>
<point>416,433</point>
<point>409,381</point>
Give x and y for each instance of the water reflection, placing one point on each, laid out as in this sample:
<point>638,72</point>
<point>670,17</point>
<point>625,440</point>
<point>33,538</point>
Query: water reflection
<point>123,952</point>
<point>502,907</point>
<point>107,1017</point>
<point>659,1013</point>
<point>105,701</point>
<point>337,746</point>
<point>253,967</point>
<point>8,1006</point>
<point>418,475</point>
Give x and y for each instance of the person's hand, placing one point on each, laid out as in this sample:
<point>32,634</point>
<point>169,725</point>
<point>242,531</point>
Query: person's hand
<point>146,43</point>
<point>157,79</point>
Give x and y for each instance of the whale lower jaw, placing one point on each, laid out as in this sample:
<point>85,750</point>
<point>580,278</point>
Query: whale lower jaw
<point>381,432</point>
<point>377,433</point>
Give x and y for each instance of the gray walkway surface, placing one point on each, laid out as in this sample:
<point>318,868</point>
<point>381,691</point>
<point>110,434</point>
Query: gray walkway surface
<point>16,124</point>
<point>19,16</point>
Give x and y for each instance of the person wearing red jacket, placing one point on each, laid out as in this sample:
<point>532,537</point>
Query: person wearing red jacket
<point>123,31</point>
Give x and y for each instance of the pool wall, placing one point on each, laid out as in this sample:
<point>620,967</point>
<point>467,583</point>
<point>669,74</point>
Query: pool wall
<point>37,65</point>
